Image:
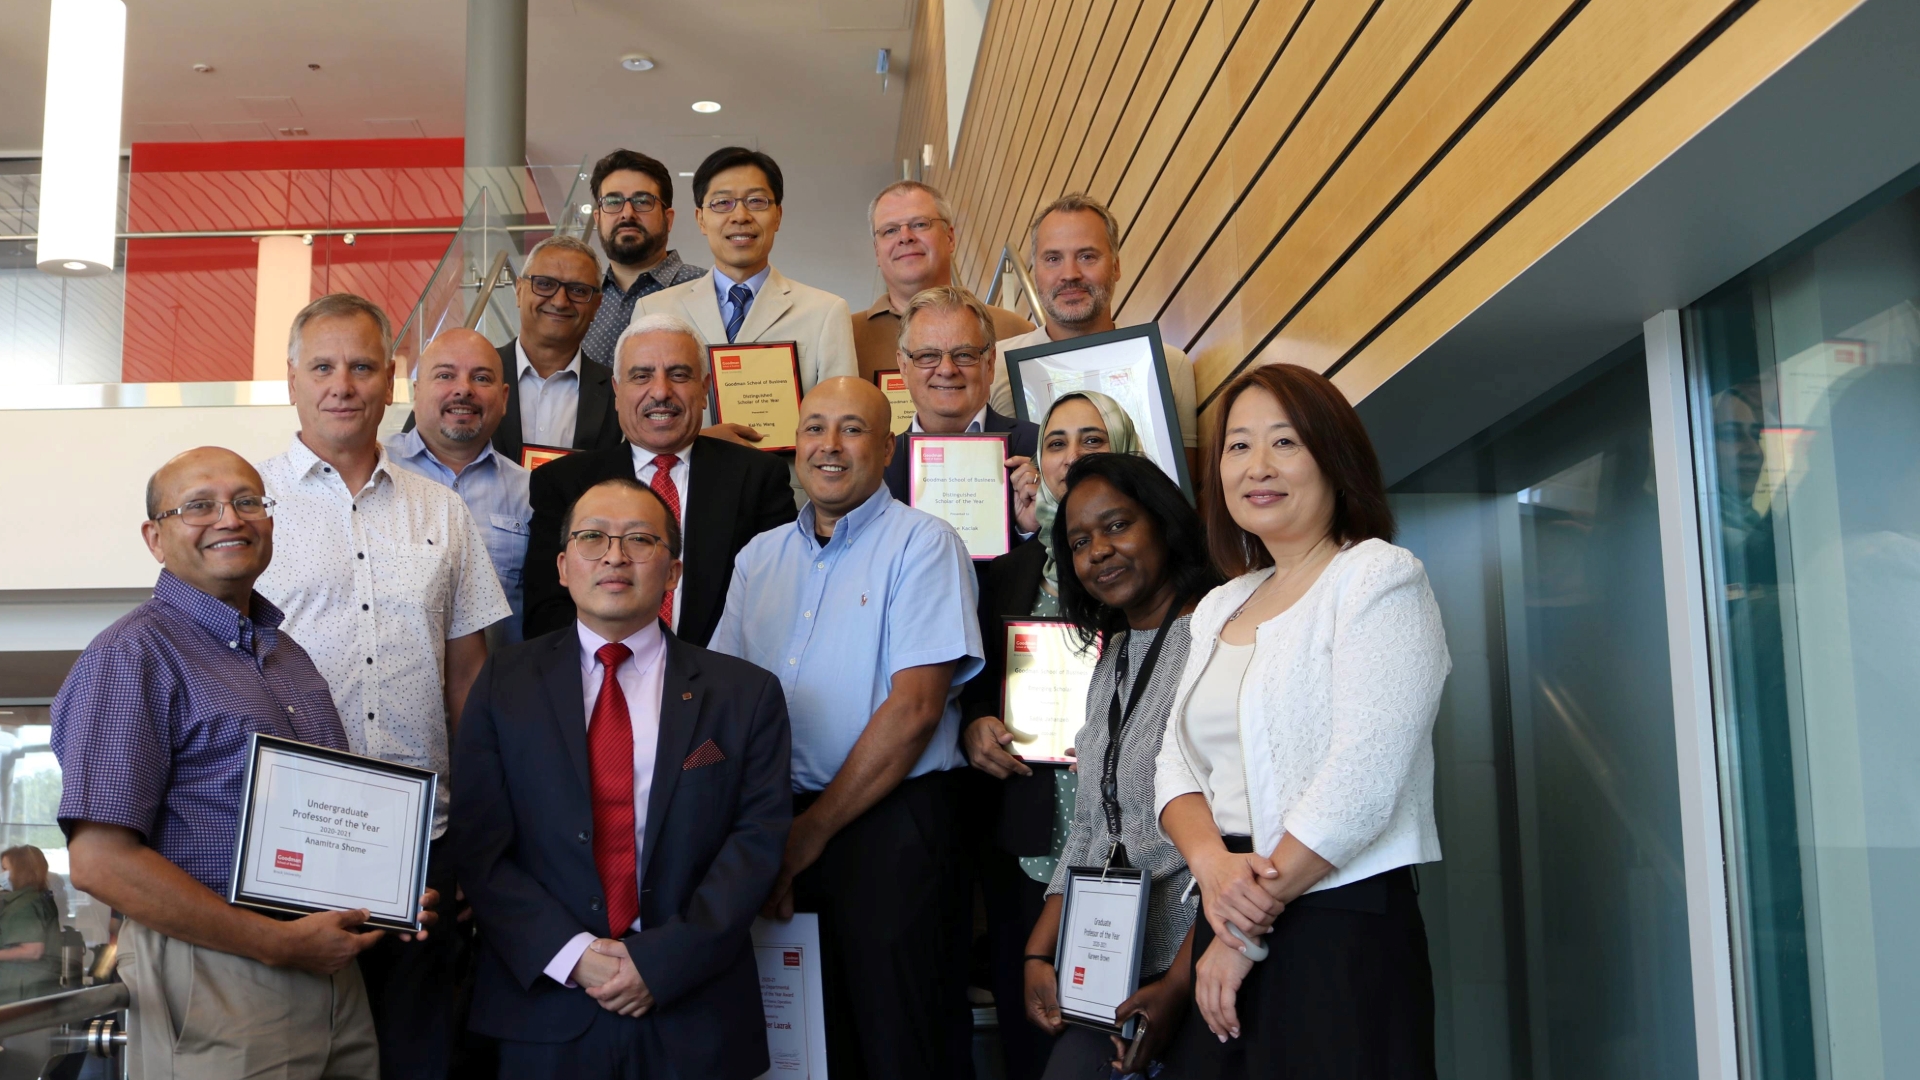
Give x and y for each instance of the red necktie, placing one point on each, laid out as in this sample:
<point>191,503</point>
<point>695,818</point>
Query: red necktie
<point>662,485</point>
<point>610,762</point>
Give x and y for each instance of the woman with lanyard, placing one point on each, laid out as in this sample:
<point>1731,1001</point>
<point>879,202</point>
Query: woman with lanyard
<point>1137,568</point>
<point>1021,842</point>
<point>1297,775</point>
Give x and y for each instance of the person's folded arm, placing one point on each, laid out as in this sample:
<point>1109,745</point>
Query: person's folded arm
<point>687,950</point>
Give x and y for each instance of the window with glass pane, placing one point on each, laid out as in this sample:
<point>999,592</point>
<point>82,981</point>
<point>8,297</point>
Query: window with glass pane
<point>1805,377</point>
<point>1557,919</point>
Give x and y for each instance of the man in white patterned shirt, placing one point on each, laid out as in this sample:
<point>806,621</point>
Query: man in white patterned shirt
<point>386,582</point>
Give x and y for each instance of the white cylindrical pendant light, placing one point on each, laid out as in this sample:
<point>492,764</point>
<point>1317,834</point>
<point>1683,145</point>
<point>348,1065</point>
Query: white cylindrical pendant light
<point>80,143</point>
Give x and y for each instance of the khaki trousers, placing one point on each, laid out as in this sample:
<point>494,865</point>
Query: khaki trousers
<point>199,1014</point>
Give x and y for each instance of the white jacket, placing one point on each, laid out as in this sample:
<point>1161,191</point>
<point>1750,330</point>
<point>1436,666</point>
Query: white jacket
<point>1336,713</point>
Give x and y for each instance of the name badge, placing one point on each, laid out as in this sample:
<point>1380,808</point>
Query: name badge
<point>1102,923</point>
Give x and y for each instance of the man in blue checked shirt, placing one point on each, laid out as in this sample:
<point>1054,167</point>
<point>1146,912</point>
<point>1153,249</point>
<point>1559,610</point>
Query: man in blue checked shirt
<point>151,729</point>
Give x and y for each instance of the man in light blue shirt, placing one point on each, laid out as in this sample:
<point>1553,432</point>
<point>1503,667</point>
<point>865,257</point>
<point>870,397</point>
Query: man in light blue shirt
<point>459,398</point>
<point>865,609</point>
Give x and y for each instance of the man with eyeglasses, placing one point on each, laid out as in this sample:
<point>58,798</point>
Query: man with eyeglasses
<point>737,195</point>
<point>623,806</point>
<point>913,243</point>
<point>633,213</point>
<point>152,730</point>
<point>385,580</point>
<point>945,350</point>
<point>558,397</point>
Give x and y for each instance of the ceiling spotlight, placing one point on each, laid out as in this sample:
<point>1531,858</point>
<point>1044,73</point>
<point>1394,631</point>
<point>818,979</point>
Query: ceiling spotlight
<point>637,62</point>
<point>706,106</point>
<point>74,265</point>
<point>204,69</point>
<point>686,174</point>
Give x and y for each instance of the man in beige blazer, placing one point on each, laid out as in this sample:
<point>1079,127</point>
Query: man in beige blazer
<point>736,195</point>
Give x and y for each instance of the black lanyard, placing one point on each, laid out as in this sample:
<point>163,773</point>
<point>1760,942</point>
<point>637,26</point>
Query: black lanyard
<point>1117,717</point>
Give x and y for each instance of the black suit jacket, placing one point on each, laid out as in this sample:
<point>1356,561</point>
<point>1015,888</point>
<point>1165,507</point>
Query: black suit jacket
<point>1023,438</point>
<point>522,843</point>
<point>735,495</point>
<point>1020,814</point>
<point>595,427</point>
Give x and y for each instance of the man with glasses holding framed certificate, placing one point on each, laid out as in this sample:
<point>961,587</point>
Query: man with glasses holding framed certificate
<point>633,213</point>
<point>557,401</point>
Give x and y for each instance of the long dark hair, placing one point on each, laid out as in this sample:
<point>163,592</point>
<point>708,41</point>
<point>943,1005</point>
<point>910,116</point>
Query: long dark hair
<point>1332,432</point>
<point>1174,522</point>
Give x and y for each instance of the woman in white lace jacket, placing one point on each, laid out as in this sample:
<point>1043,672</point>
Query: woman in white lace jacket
<point>1297,773</point>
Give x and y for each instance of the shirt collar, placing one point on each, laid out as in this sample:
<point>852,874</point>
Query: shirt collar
<point>643,457</point>
<point>411,447</point>
<point>854,522</point>
<point>525,365</point>
<point>305,461</point>
<point>882,306</point>
<point>647,643</point>
<point>661,272</point>
<point>975,426</point>
<point>722,284</point>
<point>216,618</point>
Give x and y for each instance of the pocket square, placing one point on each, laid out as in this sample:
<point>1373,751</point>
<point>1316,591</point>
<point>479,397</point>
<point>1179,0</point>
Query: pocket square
<point>708,753</point>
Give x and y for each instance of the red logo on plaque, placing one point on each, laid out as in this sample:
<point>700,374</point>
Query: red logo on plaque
<point>791,958</point>
<point>729,363</point>
<point>1079,976</point>
<point>287,860</point>
<point>1023,643</point>
<point>893,382</point>
<point>933,455</point>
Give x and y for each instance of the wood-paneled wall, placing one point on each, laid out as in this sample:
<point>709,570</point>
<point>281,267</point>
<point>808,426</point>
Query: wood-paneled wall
<point>1333,183</point>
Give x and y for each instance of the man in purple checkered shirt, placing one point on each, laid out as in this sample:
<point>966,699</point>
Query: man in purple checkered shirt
<point>151,729</point>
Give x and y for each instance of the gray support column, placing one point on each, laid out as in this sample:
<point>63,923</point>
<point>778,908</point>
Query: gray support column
<point>496,130</point>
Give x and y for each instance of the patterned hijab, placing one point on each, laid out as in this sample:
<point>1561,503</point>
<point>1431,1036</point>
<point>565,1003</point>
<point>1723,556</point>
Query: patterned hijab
<point>1121,439</point>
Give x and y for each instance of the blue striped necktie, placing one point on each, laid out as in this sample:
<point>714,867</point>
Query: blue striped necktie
<point>739,296</point>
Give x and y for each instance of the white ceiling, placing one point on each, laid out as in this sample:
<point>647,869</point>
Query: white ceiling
<point>795,78</point>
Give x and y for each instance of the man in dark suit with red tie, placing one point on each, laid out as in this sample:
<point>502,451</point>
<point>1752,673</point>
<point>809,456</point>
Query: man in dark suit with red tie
<point>622,808</point>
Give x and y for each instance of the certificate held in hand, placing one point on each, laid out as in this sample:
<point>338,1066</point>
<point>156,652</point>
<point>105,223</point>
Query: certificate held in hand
<point>1045,702</point>
<point>324,830</point>
<point>962,480</point>
<point>758,385</point>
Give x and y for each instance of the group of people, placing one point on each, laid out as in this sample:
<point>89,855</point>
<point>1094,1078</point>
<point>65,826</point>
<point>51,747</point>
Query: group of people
<point>672,683</point>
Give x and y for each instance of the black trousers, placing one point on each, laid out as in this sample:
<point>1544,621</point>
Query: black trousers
<point>887,890</point>
<point>1346,992</point>
<point>1013,903</point>
<point>613,1048</point>
<point>414,987</point>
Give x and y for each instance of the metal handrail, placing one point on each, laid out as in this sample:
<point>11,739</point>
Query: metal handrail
<point>487,285</point>
<point>1007,260</point>
<point>53,1010</point>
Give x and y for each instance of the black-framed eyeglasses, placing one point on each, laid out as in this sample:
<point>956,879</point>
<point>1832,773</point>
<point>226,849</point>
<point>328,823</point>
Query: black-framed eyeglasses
<point>638,547</point>
<point>967,356</point>
<point>724,204</point>
<point>577,291</point>
<point>209,511</point>
<point>918,227</point>
<point>643,202</point>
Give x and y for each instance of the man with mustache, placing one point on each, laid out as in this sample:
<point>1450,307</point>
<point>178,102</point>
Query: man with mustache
<point>633,213</point>
<point>459,388</point>
<point>386,582</point>
<point>723,494</point>
<point>913,243</point>
<point>557,395</point>
<point>1076,268</point>
<point>864,608</point>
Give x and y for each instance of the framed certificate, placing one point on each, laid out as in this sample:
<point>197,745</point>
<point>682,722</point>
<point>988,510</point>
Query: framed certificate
<point>325,830</point>
<point>793,996</point>
<point>1128,365</point>
<point>758,384</point>
<point>1044,701</point>
<point>532,456</point>
<point>1097,960</point>
<point>894,384</point>
<point>962,480</point>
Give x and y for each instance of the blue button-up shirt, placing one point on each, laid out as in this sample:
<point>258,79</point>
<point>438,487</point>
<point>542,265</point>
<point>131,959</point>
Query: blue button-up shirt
<point>893,589</point>
<point>722,285</point>
<point>495,491</point>
<point>151,726</point>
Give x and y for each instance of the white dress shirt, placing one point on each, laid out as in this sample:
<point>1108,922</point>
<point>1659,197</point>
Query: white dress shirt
<point>974,426</point>
<point>549,407</point>
<point>642,678</point>
<point>682,477</point>
<point>374,583</point>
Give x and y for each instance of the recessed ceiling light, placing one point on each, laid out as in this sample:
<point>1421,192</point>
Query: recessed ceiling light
<point>706,106</point>
<point>74,265</point>
<point>682,174</point>
<point>637,62</point>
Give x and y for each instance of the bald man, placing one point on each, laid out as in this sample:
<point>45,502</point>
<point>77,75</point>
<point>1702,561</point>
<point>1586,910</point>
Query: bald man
<point>459,400</point>
<point>151,730</point>
<point>864,607</point>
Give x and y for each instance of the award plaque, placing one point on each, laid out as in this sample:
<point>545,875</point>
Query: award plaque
<point>532,455</point>
<point>894,384</point>
<point>1097,959</point>
<point>325,830</point>
<point>1045,698</point>
<point>962,480</point>
<point>758,384</point>
<point>1128,365</point>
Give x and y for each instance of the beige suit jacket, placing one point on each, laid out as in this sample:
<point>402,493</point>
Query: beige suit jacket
<point>785,310</point>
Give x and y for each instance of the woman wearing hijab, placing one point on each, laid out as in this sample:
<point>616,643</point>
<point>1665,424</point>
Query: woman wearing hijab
<point>1036,800</point>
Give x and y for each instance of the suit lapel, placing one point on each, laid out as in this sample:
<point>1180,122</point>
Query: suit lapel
<point>680,698</point>
<point>703,310</point>
<point>507,440</point>
<point>560,672</point>
<point>594,390</point>
<point>774,300</point>
<point>706,517</point>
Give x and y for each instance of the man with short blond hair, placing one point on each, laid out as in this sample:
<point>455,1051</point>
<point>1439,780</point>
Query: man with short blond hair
<point>913,244</point>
